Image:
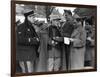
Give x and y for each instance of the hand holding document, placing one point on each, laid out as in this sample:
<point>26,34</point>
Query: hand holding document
<point>67,40</point>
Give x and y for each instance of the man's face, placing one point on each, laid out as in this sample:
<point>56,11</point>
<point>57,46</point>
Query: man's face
<point>31,18</point>
<point>68,16</point>
<point>55,22</point>
<point>77,23</point>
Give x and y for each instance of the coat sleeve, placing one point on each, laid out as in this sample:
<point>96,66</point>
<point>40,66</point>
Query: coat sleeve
<point>81,39</point>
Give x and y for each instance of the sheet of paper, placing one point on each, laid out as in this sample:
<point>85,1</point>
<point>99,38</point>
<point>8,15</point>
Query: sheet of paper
<point>66,40</point>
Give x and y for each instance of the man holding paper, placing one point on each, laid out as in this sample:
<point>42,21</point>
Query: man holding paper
<point>67,30</point>
<point>54,45</point>
<point>77,49</point>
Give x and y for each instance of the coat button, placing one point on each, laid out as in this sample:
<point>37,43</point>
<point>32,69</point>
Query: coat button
<point>28,29</point>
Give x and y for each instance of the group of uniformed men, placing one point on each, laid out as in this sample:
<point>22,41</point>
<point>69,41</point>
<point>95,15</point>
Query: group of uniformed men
<point>54,48</point>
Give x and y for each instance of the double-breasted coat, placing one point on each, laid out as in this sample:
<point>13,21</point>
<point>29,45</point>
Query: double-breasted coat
<point>77,50</point>
<point>54,32</point>
<point>26,42</point>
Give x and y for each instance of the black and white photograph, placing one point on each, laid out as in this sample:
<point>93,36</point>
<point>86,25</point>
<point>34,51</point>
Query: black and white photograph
<point>52,38</point>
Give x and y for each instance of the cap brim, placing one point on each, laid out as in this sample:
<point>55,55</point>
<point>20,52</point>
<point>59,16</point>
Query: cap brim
<point>34,14</point>
<point>56,19</point>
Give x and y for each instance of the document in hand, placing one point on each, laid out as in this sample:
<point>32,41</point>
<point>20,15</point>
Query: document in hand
<point>67,40</point>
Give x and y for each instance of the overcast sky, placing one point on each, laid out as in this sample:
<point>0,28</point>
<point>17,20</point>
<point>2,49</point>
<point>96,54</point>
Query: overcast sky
<point>61,9</point>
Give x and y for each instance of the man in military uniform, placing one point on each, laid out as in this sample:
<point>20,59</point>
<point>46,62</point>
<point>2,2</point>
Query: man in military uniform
<point>27,43</point>
<point>54,45</point>
<point>78,42</point>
